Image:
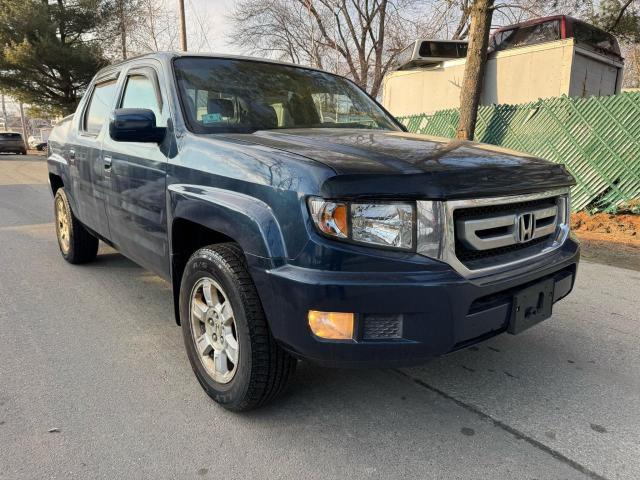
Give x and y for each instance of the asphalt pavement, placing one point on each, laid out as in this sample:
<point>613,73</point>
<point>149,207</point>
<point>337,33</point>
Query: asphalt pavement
<point>95,383</point>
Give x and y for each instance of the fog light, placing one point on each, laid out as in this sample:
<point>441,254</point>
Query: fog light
<point>331,325</point>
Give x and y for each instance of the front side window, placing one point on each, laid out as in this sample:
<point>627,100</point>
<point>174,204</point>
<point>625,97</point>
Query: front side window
<point>228,95</point>
<point>140,92</point>
<point>99,107</point>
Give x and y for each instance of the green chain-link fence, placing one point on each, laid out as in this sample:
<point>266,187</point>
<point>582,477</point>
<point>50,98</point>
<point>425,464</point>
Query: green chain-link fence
<point>597,138</point>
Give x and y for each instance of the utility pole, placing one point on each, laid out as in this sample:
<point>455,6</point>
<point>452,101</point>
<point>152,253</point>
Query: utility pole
<point>183,26</point>
<point>25,135</point>
<point>4,112</point>
<point>123,29</point>
<point>481,15</point>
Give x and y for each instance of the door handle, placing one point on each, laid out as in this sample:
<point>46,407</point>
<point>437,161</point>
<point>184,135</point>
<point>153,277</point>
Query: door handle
<point>72,156</point>
<point>107,164</point>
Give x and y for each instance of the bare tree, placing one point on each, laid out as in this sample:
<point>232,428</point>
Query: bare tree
<point>504,12</point>
<point>358,38</point>
<point>481,14</point>
<point>631,53</point>
<point>156,27</point>
<point>152,25</point>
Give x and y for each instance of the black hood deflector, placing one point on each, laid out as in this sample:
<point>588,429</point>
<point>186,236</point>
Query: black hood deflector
<point>398,164</point>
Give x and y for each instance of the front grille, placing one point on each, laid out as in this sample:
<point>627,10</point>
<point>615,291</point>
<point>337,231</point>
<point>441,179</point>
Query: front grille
<point>501,221</point>
<point>466,255</point>
<point>474,212</point>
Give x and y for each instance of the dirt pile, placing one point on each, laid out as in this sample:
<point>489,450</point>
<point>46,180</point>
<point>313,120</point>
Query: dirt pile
<point>607,227</point>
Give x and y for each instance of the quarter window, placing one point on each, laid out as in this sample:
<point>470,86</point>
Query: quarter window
<point>99,107</point>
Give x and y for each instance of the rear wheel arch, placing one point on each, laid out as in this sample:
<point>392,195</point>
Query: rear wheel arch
<point>55,181</point>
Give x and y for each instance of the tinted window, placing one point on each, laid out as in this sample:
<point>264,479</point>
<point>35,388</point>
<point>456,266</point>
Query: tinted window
<point>100,106</point>
<point>140,92</point>
<point>443,49</point>
<point>595,38</point>
<point>227,95</point>
<point>527,35</point>
<point>10,136</point>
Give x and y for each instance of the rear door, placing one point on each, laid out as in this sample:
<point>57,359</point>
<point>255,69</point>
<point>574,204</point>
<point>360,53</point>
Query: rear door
<point>90,184</point>
<point>137,203</point>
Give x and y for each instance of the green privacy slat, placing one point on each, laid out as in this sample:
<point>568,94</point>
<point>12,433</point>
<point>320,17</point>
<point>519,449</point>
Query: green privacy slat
<point>597,139</point>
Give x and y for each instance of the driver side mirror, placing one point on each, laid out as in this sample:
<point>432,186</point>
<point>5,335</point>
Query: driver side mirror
<point>135,125</point>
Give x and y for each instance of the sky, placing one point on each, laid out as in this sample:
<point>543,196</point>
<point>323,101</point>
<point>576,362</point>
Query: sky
<point>214,13</point>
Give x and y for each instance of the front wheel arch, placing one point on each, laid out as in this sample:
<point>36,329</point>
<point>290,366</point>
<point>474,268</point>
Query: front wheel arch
<point>186,238</point>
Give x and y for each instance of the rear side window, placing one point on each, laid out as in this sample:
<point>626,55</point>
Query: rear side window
<point>140,92</point>
<point>10,136</point>
<point>99,107</point>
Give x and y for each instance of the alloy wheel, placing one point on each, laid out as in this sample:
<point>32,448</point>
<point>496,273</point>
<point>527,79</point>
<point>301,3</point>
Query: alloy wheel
<point>213,329</point>
<point>63,225</point>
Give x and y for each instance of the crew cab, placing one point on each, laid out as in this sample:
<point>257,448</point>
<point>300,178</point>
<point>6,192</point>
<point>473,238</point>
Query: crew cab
<point>297,219</point>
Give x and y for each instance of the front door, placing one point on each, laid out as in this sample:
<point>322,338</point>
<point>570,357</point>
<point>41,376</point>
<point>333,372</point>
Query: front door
<point>136,207</point>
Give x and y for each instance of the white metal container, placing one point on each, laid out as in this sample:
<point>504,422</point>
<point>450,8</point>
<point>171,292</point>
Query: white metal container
<point>514,76</point>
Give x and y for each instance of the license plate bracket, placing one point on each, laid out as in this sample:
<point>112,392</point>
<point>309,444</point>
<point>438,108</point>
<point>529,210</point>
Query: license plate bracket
<point>531,305</point>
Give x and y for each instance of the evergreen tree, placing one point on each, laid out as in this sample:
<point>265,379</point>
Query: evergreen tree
<point>50,50</point>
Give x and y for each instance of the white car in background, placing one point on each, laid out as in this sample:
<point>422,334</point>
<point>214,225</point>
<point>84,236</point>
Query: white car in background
<point>37,143</point>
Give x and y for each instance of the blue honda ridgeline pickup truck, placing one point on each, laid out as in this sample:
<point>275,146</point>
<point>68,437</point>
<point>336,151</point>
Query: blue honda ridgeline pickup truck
<point>297,219</point>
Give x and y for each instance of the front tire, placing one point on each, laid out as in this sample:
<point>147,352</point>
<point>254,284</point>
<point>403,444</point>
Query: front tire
<point>76,244</point>
<point>231,350</point>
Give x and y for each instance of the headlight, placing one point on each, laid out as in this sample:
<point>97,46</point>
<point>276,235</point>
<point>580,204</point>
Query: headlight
<point>385,224</point>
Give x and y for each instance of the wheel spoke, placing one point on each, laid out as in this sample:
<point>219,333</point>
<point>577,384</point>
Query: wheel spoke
<point>231,348</point>
<point>226,313</point>
<point>204,345</point>
<point>207,288</point>
<point>214,334</point>
<point>199,309</point>
<point>220,362</point>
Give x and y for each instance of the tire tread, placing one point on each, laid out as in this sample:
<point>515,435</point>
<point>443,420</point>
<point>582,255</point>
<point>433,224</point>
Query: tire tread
<point>272,367</point>
<point>84,246</point>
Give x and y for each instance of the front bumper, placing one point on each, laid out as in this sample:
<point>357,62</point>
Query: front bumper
<point>440,311</point>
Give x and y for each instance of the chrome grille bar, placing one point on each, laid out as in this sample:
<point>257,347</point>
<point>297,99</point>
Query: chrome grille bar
<point>490,232</point>
<point>437,230</point>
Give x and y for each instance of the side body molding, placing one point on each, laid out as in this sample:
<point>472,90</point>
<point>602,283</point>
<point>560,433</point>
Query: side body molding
<point>247,220</point>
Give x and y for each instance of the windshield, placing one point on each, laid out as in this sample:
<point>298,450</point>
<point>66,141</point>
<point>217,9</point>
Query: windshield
<point>228,95</point>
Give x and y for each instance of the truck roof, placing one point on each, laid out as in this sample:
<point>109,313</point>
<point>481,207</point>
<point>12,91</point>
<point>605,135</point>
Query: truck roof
<point>167,56</point>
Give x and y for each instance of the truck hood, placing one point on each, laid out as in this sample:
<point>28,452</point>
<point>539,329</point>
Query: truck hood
<point>382,163</point>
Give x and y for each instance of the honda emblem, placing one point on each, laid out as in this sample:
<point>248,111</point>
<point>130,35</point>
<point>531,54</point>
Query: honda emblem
<point>526,225</point>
